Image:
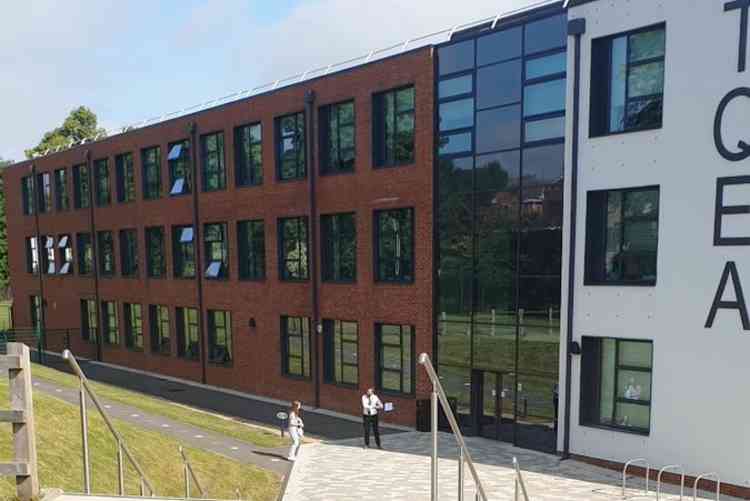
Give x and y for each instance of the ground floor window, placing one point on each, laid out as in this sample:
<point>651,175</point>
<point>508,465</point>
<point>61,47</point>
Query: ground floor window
<point>219,337</point>
<point>110,323</point>
<point>133,326</point>
<point>295,346</point>
<point>188,328</point>
<point>340,359</point>
<point>616,383</point>
<point>158,318</point>
<point>88,320</point>
<point>395,357</point>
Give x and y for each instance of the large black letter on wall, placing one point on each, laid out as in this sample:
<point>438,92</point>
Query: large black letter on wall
<point>726,210</point>
<point>739,304</point>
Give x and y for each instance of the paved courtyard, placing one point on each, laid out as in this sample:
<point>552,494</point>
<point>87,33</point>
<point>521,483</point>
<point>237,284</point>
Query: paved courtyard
<point>343,470</point>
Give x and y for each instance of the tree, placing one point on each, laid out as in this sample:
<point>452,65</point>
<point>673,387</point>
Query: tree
<point>80,124</point>
<point>4,272</point>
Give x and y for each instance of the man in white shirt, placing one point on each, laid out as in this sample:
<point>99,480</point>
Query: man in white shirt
<point>370,406</point>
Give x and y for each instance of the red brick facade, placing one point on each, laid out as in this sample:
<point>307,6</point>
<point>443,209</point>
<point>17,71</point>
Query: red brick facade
<point>256,364</point>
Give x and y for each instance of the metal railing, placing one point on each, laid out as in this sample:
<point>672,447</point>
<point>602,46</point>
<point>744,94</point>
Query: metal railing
<point>519,482</point>
<point>85,388</point>
<point>625,474</point>
<point>464,456</point>
<point>190,474</point>
<point>682,479</point>
<point>704,475</point>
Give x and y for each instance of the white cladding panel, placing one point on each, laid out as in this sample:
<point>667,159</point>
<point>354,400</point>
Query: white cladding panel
<point>701,377</point>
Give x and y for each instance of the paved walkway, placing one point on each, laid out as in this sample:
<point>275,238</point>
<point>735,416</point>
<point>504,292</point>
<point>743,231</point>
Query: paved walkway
<point>273,459</point>
<point>344,471</point>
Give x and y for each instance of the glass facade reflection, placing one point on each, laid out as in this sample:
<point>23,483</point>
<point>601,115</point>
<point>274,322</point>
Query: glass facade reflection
<point>499,225</point>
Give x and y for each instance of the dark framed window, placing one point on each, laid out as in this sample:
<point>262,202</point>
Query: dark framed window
<point>295,346</point>
<point>213,172</point>
<point>62,201</point>
<point>341,352</point>
<point>81,187</point>
<point>248,155</point>
<point>85,251</point>
<point>101,181</point>
<point>65,248</point>
<point>105,251</point>
<point>251,249</point>
<point>293,245</point>
<point>110,323</point>
<point>183,251</point>
<point>290,147</point>
<point>394,245</point>
<point>49,266</point>
<point>616,383</point>
<point>219,337</point>
<point>158,319</point>
<point>32,255</point>
<point>622,234</point>
<point>216,250</point>
<point>188,333</point>
<point>125,175</point>
<point>36,312</point>
<point>180,172</point>
<point>627,81</point>
<point>89,322</point>
<point>133,326</point>
<point>129,253</point>
<point>27,195</point>
<point>393,127</point>
<point>44,184</point>
<point>151,172</point>
<point>337,143</point>
<point>156,259</point>
<point>394,352</point>
<point>339,247</point>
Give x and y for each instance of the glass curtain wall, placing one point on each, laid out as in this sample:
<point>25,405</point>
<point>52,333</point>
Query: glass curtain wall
<point>501,107</point>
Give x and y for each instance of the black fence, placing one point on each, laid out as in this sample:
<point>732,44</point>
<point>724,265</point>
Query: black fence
<point>39,341</point>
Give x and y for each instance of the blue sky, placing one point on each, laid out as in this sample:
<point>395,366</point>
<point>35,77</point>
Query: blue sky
<point>131,60</point>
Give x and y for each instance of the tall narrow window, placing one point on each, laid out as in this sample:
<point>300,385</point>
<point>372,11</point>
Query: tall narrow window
<point>158,319</point>
<point>180,178</point>
<point>394,251</point>
<point>62,202</point>
<point>129,253</point>
<point>295,346</point>
<point>89,323</point>
<point>85,252</point>
<point>339,247</point>
<point>81,187</point>
<point>27,194</point>
<point>151,169</point>
<point>36,312</point>
<point>293,261</point>
<point>155,253</point>
<point>212,162</point>
<point>341,345</point>
<point>44,185</point>
<point>393,127</point>
<point>133,326</point>
<point>49,266</point>
<point>290,147</point>
<point>106,253</point>
<point>627,81</point>
<point>183,251</point>
<point>248,155</point>
<point>337,138</point>
<point>395,358</point>
<point>125,173</point>
<point>101,181</point>
<point>110,323</point>
<point>219,337</point>
<point>65,248</point>
<point>32,255</point>
<point>188,340</point>
<point>216,250</point>
<point>252,250</point>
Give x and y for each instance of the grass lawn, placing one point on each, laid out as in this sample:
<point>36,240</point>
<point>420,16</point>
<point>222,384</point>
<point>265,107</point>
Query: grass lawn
<point>58,436</point>
<point>151,405</point>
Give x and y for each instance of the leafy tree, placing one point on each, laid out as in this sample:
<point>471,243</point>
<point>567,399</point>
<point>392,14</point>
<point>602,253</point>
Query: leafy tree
<point>80,124</point>
<point>3,235</point>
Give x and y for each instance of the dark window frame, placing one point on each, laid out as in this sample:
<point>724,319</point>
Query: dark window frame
<point>185,329</point>
<point>305,340</point>
<point>28,195</point>
<point>283,259</point>
<point>44,187</point>
<point>180,165</point>
<point>300,142</point>
<point>85,266</point>
<point>125,178</point>
<point>159,334</point>
<point>220,170</point>
<point>152,271</point>
<point>129,265</point>
<point>328,165</point>
<point>377,240</point>
<point>62,198</point>
<point>110,329</point>
<point>102,255</point>
<point>133,326</point>
<point>181,251</point>
<point>331,241</point>
<point>65,253</point>
<point>380,368</point>
<point>31,246</point>
<point>151,185</point>
<point>102,184</point>
<point>246,172</point>
<point>89,316</point>
<point>379,130</point>
<point>81,188</point>
<point>251,265</point>
<point>213,345</point>
<point>333,335</point>
<point>208,250</point>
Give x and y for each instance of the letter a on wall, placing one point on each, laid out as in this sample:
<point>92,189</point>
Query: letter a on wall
<point>730,269</point>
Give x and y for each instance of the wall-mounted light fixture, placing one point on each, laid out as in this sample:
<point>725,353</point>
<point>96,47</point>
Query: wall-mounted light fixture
<point>575,348</point>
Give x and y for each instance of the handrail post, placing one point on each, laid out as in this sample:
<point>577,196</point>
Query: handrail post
<point>187,481</point>
<point>434,461</point>
<point>682,479</point>
<point>460,474</point>
<point>704,475</point>
<point>85,441</point>
<point>519,480</point>
<point>120,473</point>
<point>625,472</point>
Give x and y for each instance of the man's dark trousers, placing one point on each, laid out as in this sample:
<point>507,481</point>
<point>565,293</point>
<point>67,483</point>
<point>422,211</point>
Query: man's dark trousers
<point>369,421</point>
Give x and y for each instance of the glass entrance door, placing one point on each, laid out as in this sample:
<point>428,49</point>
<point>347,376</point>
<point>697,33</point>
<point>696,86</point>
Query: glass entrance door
<point>493,405</point>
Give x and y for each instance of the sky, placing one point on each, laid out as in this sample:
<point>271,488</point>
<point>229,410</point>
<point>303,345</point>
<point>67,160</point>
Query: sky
<point>135,59</point>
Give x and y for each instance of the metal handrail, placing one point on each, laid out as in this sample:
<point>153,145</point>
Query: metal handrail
<point>188,474</point>
<point>121,447</point>
<point>682,481</point>
<point>704,475</point>
<point>625,473</point>
<point>519,481</point>
<point>464,455</point>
